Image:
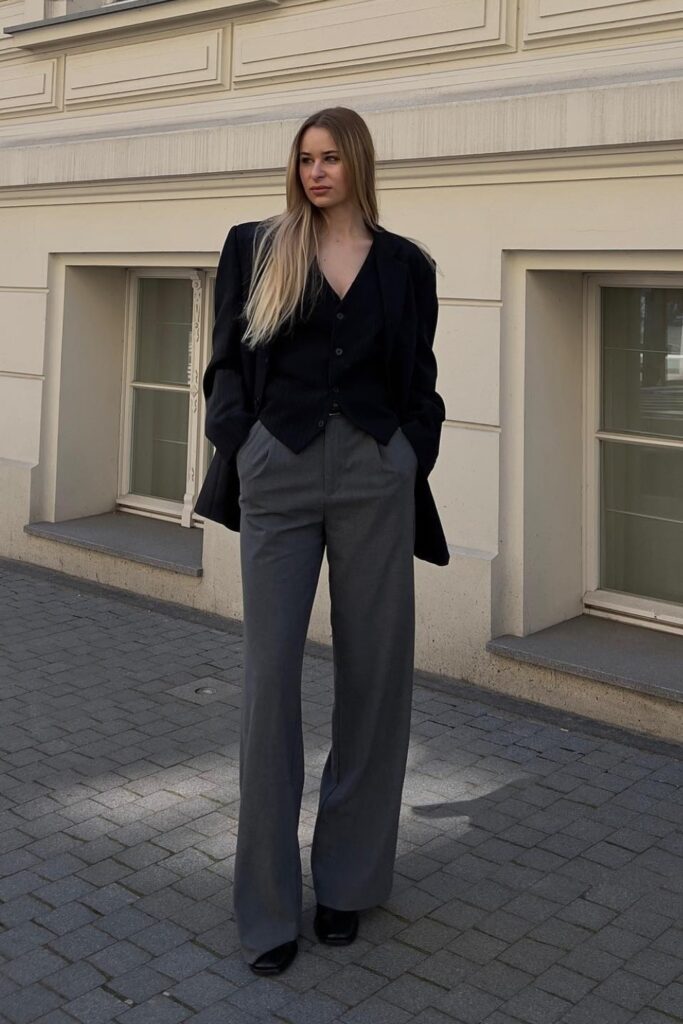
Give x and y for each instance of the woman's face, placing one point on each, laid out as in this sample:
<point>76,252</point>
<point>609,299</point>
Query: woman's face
<point>320,167</point>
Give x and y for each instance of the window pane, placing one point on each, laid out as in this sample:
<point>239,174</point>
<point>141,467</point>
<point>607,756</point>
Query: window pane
<point>163,330</point>
<point>159,446</point>
<point>642,360</point>
<point>642,520</point>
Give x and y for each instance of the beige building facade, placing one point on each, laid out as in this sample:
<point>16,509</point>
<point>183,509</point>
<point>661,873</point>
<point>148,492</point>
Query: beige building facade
<point>535,146</point>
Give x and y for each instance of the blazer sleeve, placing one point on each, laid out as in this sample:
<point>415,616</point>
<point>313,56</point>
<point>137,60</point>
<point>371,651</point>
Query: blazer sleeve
<point>228,416</point>
<point>426,409</point>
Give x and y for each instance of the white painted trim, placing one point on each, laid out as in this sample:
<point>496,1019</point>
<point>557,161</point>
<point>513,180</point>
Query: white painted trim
<point>194,374</point>
<point>125,497</point>
<point>591,423</point>
<point>154,508</point>
<point>608,603</point>
<point>640,611</point>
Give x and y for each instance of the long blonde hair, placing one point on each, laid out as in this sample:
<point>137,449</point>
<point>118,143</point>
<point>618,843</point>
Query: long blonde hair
<point>286,245</point>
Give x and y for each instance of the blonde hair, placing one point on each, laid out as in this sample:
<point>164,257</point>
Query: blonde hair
<point>286,244</point>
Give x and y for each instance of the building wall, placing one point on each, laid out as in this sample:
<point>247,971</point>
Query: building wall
<point>527,144</point>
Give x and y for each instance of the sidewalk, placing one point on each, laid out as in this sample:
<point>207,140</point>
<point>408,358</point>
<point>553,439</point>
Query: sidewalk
<point>540,866</point>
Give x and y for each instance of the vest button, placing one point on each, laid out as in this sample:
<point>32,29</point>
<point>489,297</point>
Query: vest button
<point>338,351</point>
<point>340,316</point>
<point>321,423</point>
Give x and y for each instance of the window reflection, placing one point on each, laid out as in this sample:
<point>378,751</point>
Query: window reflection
<point>642,370</point>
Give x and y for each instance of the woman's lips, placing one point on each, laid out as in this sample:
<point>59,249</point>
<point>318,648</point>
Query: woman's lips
<point>320,188</point>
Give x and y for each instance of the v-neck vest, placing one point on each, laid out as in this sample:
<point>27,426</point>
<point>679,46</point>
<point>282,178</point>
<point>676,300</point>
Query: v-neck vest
<point>331,360</point>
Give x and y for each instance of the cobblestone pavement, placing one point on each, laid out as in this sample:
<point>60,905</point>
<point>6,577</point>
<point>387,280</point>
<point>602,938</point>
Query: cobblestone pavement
<point>539,875</point>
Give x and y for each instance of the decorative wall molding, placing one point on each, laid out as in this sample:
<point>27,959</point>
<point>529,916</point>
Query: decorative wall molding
<point>335,38</point>
<point>643,114</point>
<point>25,87</point>
<point>139,69</point>
<point>561,20</point>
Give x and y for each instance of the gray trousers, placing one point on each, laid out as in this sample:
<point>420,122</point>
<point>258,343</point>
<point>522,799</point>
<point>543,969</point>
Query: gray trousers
<point>350,494</point>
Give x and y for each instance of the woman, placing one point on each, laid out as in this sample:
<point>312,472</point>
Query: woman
<point>322,406</point>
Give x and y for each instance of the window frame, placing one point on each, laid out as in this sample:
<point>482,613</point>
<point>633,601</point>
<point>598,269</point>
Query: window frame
<point>638,610</point>
<point>198,448</point>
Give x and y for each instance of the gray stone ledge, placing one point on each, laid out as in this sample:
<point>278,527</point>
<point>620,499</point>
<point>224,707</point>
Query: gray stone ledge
<point>136,538</point>
<point>633,657</point>
<point>93,12</point>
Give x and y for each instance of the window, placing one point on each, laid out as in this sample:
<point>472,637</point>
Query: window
<point>164,454</point>
<point>60,8</point>
<point>638,468</point>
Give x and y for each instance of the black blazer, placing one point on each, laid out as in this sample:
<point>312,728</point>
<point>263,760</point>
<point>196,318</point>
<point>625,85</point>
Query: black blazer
<point>234,378</point>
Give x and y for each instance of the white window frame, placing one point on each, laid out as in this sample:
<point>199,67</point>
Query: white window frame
<point>640,611</point>
<point>198,448</point>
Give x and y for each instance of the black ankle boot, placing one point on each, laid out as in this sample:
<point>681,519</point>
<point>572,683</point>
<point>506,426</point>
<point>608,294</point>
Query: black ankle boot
<point>276,960</point>
<point>335,927</point>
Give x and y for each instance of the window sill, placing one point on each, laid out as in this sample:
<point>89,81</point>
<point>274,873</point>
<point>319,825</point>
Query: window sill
<point>136,538</point>
<point>643,660</point>
<point>104,21</point>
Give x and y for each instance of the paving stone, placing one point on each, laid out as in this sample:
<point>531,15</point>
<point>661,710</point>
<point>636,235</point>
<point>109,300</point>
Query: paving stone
<point>530,955</point>
<point>201,990</point>
<point>560,933</point>
<point>119,958</point>
<point>565,983</point>
<point>95,1007</point>
<point>619,941</point>
<point>161,937</point>
<point>468,1004</point>
<point>553,892</point>
<point>125,922</point>
<point>476,946</point>
<point>352,984</point>
<point>669,1000</point>
<point>592,1009</point>
<point>592,963</point>
<point>534,1006</point>
<point>655,965</point>
<point>500,979</point>
<point>75,979</point>
<point>392,958</point>
<point>157,1010</point>
<point>29,1003</point>
<point>32,966</point>
<point>20,910</point>
<point>376,1011</point>
<point>183,961</point>
<point>16,941</point>
<point>426,935</point>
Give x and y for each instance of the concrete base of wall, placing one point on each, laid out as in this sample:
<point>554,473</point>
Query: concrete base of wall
<point>650,715</point>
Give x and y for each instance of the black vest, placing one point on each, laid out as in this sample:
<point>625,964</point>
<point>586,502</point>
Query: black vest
<point>331,359</point>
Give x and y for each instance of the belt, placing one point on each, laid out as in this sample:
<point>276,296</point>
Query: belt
<point>335,413</point>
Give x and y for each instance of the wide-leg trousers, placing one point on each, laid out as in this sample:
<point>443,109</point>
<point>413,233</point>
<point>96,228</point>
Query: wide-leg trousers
<point>351,495</point>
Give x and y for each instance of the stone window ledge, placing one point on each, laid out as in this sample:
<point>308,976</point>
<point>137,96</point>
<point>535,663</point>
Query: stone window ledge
<point>125,17</point>
<point>136,538</point>
<point>633,657</point>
